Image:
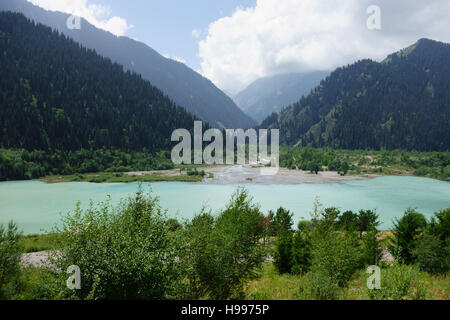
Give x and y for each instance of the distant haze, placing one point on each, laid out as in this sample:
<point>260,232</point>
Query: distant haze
<point>271,94</point>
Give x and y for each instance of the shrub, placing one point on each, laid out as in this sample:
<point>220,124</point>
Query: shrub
<point>399,282</point>
<point>284,252</point>
<point>225,252</point>
<point>125,252</point>
<point>301,253</point>
<point>335,256</point>
<point>431,255</point>
<point>199,257</point>
<point>319,286</point>
<point>10,252</point>
<point>405,233</point>
<point>371,251</point>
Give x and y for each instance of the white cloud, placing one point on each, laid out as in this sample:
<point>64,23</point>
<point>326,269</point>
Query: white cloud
<point>277,37</point>
<point>181,60</point>
<point>98,15</point>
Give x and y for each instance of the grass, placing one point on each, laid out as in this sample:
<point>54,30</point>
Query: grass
<point>273,286</point>
<point>38,242</point>
<point>108,177</point>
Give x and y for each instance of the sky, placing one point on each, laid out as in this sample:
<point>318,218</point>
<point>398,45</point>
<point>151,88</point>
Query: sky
<point>235,42</point>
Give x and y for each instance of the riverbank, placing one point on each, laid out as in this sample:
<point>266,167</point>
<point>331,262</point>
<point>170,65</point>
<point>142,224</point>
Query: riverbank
<point>220,174</point>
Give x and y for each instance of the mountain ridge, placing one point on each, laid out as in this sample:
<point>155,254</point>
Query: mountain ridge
<point>402,102</point>
<point>184,86</point>
<point>56,95</point>
<point>271,94</point>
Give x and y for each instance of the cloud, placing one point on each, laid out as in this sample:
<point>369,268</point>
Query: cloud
<point>98,15</point>
<point>276,37</point>
<point>178,59</point>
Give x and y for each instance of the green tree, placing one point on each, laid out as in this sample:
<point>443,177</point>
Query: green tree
<point>124,252</point>
<point>226,251</point>
<point>281,221</point>
<point>10,252</point>
<point>348,221</point>
<point>406,229</point>
<point>367,221</point>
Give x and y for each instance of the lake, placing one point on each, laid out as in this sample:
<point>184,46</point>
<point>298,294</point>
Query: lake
<point>37,206</point>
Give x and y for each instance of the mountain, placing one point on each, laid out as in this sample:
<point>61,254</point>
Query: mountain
<point>58,95</point>
<point>184,86</point>
<point>271,94</point>
<point>402,102</point>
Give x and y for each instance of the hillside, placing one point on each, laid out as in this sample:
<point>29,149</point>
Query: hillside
<point>184,86</point>
<point>402,102</point>
<point>271,94</point>
<point>57,95</point>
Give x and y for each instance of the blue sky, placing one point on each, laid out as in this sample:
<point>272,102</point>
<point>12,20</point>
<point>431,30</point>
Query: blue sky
<point>166,25</point>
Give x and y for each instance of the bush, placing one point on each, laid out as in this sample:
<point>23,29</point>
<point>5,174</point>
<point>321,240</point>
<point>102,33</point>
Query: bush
<point>222,254</point>
<point>125,252</point>
<point>399,282</point>
<point>371,251</point>
<point>405,233</point>
<point>319,286</point>
<point>431,255</point>
<point>10,252</point>
<point>284,252</point>
<point>335,256</point>
<point>301,253</point>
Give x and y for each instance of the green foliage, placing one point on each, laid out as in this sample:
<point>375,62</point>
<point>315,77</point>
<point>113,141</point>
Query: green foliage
<point>58,96</point>
<point>400,103</point>
<point>10,251</point>
<point>281,221</point>
<point>431,255</point>
<point>400,282</point>
<point>371,251</point>
<point>40,284</point>
<point>394,162</point>
<point>335,256</point>
<point>319,286</point>
<point>22,164</point>
<point>367,221</point>
<point>301,252</point>
<point>432,249</point>
<point>284,249</point>
<point>127,252</point>
<point>348,221</point>
<point>225,252</point>
<point>406,230</point>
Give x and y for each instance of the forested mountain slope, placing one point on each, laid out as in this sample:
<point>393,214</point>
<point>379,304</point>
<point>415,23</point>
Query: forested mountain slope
<point>184,86</point>
<point>402,102</point>
<point>57,95</point>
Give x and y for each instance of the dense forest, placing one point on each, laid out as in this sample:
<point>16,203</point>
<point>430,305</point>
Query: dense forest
<point>401,103</point>
<point>58,96</point>
<point>186,87</point>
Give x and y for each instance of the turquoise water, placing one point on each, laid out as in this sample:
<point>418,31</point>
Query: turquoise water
<point>37,206</point>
